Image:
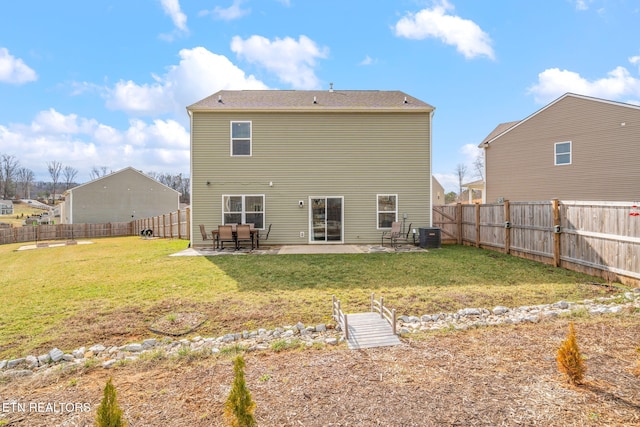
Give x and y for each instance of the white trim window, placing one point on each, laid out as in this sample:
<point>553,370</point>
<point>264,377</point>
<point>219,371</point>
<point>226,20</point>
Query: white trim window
<point>241,139</point>
<point>243,209</point>
<point>387,210</point>
<point>562,152</point>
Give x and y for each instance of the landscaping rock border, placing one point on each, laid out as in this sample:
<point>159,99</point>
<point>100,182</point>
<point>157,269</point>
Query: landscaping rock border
<point>262,339</point>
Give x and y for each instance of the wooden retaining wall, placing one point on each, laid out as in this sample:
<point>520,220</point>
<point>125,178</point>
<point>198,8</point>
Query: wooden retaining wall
<point>598,238</point>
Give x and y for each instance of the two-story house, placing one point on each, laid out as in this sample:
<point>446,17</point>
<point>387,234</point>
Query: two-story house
<point>575,148</point>
<point>321,167</point>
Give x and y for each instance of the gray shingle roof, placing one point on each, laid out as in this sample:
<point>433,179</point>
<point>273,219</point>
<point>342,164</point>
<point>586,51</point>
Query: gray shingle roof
<point>304,100</point>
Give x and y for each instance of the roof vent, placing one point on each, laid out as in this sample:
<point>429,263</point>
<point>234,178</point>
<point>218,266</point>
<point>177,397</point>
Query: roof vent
<point>219,98</point>
<point>330,87</point>
<point>314,100</point>
<point>405,100</point>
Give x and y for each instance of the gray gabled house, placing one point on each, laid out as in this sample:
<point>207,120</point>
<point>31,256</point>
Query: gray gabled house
<point>121,196</point>
<point>321,167</point>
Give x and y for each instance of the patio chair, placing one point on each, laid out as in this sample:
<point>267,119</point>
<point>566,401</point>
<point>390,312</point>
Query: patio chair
<point>225,234</point>
<point>404,237</point>
<point>243,234</point>
<point>393,234</point>
<point>264,236</point>
<point>205,235</point>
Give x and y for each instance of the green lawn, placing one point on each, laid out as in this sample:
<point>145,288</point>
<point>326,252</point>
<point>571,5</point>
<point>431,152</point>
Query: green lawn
<point>111,291</point>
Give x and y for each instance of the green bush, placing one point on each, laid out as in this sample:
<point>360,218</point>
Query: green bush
<point>109,413</point>
<point>238,410</point>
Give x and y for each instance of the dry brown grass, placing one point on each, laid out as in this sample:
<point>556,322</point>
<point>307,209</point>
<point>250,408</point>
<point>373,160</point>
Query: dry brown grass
<point>484,377</point>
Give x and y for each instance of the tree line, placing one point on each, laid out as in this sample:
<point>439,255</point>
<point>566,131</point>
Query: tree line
<point>17,182</point>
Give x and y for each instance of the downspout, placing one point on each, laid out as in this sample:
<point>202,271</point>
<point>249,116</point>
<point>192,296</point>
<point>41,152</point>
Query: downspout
<point>431,114</point>
<point>191,175</point>
<point>484,173</point>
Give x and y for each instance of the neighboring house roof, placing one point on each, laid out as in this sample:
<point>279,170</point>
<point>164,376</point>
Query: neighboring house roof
<point>475,185</point>
<point>501,128</point>
<point>505,128</point>
<point>118,172</point>
<point>6,203</point>
<point>310,100</point>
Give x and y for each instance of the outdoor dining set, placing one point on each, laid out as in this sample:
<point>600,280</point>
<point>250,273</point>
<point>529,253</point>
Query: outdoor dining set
<point>236,234</point>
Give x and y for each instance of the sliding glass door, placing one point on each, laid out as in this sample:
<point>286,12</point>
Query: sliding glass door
<point>326,219</point>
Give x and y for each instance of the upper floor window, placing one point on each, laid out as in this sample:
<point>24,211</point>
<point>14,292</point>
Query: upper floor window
<point>563,153</point>
<point>387,210</point>
<point>240,138</point>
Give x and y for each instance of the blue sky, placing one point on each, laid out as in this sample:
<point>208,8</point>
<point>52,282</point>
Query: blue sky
<point>106,83</point>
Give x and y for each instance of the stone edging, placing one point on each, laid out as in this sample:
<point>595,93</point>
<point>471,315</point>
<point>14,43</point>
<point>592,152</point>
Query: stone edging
<point>467,318</point>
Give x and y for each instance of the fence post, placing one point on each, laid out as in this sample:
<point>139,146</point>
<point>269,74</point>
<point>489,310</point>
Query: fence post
<point>393,320</point>
<point>556,234</point>
<point>477,225</point>
<point>188,215</point>
<point>459,221</point>
<point>179,225</point>
<point>507,230</point>
<point>346,328</point>
<point>382,307</point>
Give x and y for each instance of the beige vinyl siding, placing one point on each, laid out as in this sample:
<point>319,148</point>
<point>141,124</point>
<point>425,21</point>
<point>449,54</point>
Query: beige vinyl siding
<point>604,154</point>
<point>354,155</point>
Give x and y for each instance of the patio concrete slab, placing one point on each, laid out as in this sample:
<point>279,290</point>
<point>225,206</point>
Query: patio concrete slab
<point>300,249</point>
<point>320,249</point>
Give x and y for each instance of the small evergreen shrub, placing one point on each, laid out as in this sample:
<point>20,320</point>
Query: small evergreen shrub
<point>569,359</point>
<point>109,413</point>
<point>238,410</point>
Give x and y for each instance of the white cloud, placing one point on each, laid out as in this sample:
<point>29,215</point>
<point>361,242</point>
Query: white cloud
<point>235,11</point>
<point>172,9</point>
<point>367,61</point>
<point>464,34</point>
<point>293,61</point>
<point>162,145</point>
<point>199,74</point>
<point>14,70</point>
<point>619,84</point>
<point>582,4</point>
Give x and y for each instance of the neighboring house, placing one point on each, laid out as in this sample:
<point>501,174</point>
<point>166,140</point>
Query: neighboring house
<point>475,191</point>
<point>320,166</point>
<point>122,196</point>
<point>6,207</point>
<point>575,148</point>
<point>437,192</point>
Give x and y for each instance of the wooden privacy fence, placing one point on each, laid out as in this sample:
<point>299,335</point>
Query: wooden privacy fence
<point>171,225</point>
<point>598,238</point>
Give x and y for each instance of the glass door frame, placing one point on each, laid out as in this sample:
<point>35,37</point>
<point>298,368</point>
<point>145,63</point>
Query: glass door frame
<point>326,241</point>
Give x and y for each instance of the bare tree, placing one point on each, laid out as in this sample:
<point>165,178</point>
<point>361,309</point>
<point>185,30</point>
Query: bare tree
<point>25,179</point>
<point>54,168</point>
<point>97,172</point>
<point>7,174</point>
<point>69,174</point>
<point>478,165</point>
<point>461,171</point>
<point>178,182</point>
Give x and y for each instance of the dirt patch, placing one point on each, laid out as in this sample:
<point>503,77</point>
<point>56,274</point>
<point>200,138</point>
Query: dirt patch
<point>178,324</point>
<point>484,377</point>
